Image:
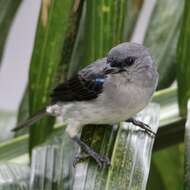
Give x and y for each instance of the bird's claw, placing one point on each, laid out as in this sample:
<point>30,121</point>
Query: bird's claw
<point>100,159</point>
<point>79,158</point>
<point>149,130</point>
<point>142,125</point>
<point>89,152</point>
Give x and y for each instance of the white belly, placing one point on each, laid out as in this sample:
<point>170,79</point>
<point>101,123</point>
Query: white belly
<point>107,108</point>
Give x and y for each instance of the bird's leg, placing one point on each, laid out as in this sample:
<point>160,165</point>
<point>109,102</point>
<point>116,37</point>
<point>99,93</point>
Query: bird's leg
<point>100,159</point>
<point>141,125</point>
<point>72,130</point>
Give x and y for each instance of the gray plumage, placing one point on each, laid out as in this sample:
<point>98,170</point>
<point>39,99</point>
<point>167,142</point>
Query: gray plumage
<point>124,93</point>
<point>108,91</point>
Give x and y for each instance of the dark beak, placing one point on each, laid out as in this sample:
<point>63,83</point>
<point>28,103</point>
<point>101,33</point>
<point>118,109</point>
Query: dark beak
<point>113,70</point>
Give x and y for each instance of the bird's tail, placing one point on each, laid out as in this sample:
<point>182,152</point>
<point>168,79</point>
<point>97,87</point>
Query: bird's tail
<point>36,117</point>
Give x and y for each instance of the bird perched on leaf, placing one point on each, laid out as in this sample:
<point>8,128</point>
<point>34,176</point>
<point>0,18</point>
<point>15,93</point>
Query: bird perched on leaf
<point>109,90</point>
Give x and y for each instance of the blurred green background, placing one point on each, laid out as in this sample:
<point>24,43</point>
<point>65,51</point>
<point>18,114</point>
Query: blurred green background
<point>72,33</point>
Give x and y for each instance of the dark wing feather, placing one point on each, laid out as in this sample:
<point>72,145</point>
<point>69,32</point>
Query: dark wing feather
<point>86,85</point>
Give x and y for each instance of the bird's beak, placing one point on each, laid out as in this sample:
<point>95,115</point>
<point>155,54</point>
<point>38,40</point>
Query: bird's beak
<point>113,70</point>
<point>109,70</point>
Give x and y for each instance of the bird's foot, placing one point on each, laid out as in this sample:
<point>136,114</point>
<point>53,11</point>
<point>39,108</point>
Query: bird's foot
<point>79,158</point>
<point>101,160</point>
<point>142,125</point>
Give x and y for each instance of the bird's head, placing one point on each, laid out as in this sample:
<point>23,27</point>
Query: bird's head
<point>133,61</point>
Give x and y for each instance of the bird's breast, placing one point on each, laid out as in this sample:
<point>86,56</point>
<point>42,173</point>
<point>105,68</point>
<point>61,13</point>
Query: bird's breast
<point>127,100</point>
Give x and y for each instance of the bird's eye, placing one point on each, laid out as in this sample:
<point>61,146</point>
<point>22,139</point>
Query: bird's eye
<point>129,61</point>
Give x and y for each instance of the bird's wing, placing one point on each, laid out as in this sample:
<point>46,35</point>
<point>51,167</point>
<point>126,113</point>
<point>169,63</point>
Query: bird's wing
<point>86,85</point>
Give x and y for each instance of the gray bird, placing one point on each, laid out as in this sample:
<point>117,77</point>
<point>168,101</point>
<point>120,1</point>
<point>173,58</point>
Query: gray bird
<point>108,91</point>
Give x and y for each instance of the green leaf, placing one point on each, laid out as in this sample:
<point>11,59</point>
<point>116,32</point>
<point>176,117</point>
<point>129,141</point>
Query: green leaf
<point>14,148</point>
<point>70,39</point>
<point>47,168</point>
<point>171,130</point>
<point>77,56</point>
<point>168,168</point>
<point>133,8</point>
<point>104,25</point>
<point>183,60</point>
<point>8,9</point>
<point>155,178</point>
<point>51,32</point>
<point>187,150</point>
<point>23,112</point>
<point>14,176</point>
<point>51,166</point>
<point>162,36</point>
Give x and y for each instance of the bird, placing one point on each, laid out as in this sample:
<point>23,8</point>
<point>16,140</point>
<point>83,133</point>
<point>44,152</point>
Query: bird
<point>108,91</point>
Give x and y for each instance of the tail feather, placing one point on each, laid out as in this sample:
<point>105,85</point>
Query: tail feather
<point>36,117</point>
